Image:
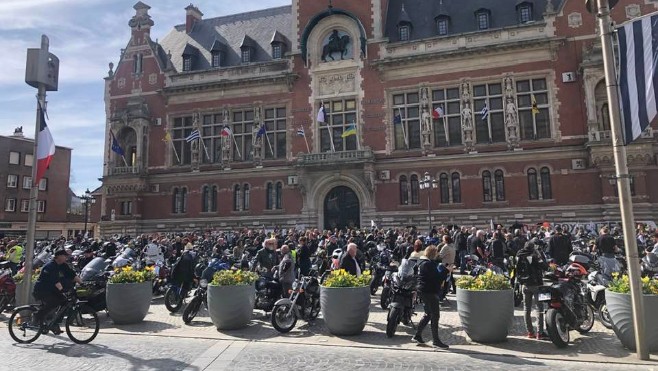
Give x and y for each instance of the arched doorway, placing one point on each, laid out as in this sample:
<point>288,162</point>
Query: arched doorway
<point>341,209</point>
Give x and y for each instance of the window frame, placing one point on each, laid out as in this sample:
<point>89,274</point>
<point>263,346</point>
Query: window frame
<point>26,162</point>
<point>444,188</point>
<point>449,99</point>
<point>404,32</point>
<point>455,186</point>
<point>27,182</point>
<point>525,12</point>
<point>539,121</point>
<point>126,208</point>
<point>17,156</point>
<point>533,184</point>
<point>442,26</point>
<point>275,120</point>
<point>487,186</point>
<point>483,19</point>
<point>414,188</point>
<point>339,117</point>
<point>187,63</point>
<point>237,200</point>
<point>43,184</point>
<point>269,196</point>
<point>245,55</point>
<point>494,100</point>
<point>499,185</point>
<point>41,206</point>
<point>11,201</point>
<point>410,116</point>
<point>277,51</point>
<point>546,186</point>
<point>216,59</point>
<point>25,206</point>
<point>11,184</point>
<point>278,196</point>
<point>246,197</point>
<point>404,189</point>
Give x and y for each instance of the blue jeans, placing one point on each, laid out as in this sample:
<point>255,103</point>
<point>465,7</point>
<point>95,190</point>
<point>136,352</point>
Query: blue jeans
<point>462,260</point>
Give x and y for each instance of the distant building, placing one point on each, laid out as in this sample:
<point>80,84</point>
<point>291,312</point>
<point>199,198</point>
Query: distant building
<point>503,105</point>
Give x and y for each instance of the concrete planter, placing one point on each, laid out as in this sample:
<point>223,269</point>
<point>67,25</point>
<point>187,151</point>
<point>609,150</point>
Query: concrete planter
<point>345,309</point>
<point>486,315</point>
<point>20,298</point>
<point>231,307</point>
<point>128,303</point>
<point>619,307</point>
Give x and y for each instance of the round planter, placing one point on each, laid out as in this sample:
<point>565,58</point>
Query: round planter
<point>20,297</point>
<point>345,309</point>
<point>486,315</point>
<point>231,307</point>
<point>128,303</point>
<point>619,307</point>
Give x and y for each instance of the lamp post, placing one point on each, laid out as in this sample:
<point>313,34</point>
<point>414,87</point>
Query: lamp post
<point>87,199</point>
<point>428,182</point>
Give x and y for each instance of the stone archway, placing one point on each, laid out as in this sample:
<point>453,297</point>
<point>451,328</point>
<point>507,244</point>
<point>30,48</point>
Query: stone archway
<point>342,209</point>
<point>127,139</point>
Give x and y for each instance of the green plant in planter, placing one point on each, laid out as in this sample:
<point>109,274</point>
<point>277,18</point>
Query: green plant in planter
<point>18,277</point>
<point>129,275</point>
<point>234,278</point>
<point>484,282</point>
<point>340,278</point>
<point>621,285</point>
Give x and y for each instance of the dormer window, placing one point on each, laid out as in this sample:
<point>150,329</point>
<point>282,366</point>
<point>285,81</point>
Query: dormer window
<point>524,10</point>
<point>216,59</point>
<point>482,17</point>
<point>187,63</point>
<point>442,25</point>
<point>246,55</point>
<point>404,32</point>
<point>278,43</point>
<point>216,53</point>
<point>276,51</point>
<point>247,49</point>
<point>189,54</point>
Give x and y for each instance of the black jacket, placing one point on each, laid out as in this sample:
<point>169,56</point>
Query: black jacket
<point>559,248</point>
<point>348,263</point>
<point>430,279</point>
<point>531,272</point>
<point>51,274</point>
<point>184,270</point>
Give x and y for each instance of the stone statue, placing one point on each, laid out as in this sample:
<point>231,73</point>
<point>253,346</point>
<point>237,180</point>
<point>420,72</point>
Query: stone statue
<point>195,152</point>
<point>467,123</point>
<point>511,114</point>
<point>257,118</point>
<point>426,126</point>
<point>466,92</point>
<point>336,44</point>
<point>509,87</point>
<point>424,99</point>
<point>256,143</point>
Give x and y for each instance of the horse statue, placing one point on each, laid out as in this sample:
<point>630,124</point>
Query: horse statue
<point>338,45</point>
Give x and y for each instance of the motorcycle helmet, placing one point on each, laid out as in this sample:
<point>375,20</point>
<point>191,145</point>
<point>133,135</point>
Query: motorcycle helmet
<point>576,270</point>
<point>336,254</point>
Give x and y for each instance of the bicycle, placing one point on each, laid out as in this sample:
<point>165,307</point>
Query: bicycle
<point>82,323</point>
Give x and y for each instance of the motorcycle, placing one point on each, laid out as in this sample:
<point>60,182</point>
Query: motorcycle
<point>7,287</point>
<point>596,285</point>
<point>403,297</point>
<point>567,305</point>
<point>161,278</point>
<point>94,277</point>
<point>385,296</point>
<point>268,291</point>
<point>510,263</point>
<point>378,268</point>
<point>200,297</point>
<point>304,303</point>
<point>649,265</point>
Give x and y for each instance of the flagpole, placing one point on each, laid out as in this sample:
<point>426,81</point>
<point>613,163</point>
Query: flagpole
<point>175,152</point>
<point>404,131</point>
<point>445,127</point>
<point>236,145</point>
<point>267,137</point>
<point>124,160</point>
<point>306,141</point>
<point>622,177</point>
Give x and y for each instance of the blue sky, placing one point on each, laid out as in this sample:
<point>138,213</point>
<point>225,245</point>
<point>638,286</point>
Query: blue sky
<point>86,35</point>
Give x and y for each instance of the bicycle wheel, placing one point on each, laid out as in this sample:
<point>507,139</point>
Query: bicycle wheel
<point>21,328</point>
<point>82,325</point>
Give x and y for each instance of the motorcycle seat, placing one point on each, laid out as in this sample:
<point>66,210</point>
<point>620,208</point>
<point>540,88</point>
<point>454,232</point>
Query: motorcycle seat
<point>4,264</point>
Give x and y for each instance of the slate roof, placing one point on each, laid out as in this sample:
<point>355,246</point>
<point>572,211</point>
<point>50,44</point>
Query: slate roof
<point>422,15</point>
<point>257,26</point>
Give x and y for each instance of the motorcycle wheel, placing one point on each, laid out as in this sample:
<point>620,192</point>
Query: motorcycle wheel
<point>172,300</point>
<point>191,310</point>
<point>315,309</point>
<point>393,320</point>
<point>281,321</point>
<point>385,298</point>
<point>604,316</point>
<point>557,328</point>
<point>587,324</point>
<point>374,285</point>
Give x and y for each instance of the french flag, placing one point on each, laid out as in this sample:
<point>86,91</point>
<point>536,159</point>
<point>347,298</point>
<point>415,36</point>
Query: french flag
<point>45,146</point>
<point>437,113</point>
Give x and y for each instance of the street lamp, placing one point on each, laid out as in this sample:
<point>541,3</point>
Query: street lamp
<point>428,182</point>
<point>87,199</point>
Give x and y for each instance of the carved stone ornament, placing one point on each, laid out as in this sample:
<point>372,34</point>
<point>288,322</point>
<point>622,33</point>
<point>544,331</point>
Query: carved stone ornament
<point>633,11</point>
<point>121,83</point>
<point>153,78</point>
<point>337,44</point>
<point>338,83</point>
<point>257,145</point>
<point>575,20</point>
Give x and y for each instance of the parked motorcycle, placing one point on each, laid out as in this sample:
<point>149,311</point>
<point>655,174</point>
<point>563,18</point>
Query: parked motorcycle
<point>596,285</point>
<point>378,266</point>
<point>200,297</point>
<point>403,297</point>
<point>385,296</point>
<point>94,277</point>
<point>568,308</point>
<point>268,292</point>
<point>7,287</point>
<point>161,278</point>
<point>649,265</point>
<point>304,303</point>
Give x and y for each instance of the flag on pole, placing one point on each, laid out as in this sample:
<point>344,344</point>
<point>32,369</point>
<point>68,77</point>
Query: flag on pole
<point>322,114</point>
<point>261,131</point>
<point>437,113</point>
<point>397,119</point>
<point>116,147</point>
<point>485,112</point>
<point>45,146</point>
<point>491,225</point>
<point>638,55</point>
<point>167,137</point>
<point>226,132</point>
<point>193,136</point>
<point>351,130</point>
<point>300,132</point>
<point>535,109</point>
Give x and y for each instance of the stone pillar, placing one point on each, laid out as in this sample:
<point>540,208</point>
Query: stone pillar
<point>467,117</point>
<point>511,113</point>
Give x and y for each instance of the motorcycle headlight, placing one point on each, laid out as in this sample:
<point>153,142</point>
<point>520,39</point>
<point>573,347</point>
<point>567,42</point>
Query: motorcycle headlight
<point>203,283</point>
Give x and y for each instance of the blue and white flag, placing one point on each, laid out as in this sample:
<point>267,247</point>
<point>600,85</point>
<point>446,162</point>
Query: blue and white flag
<point>300,132</point>
<point>638,54</point>
<point>193,136</point>
<point>485,112</point>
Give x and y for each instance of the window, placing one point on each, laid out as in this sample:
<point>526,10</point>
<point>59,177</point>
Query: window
<point>448,127</point>
<point>137,63</point>
<point>533,185</point>
<point>546,191</point>
<point>525,12</point>
<point>246,55</point>
<point>10,204</point>
<point>276,51</point>
<point>415,189</point>
<point>216,59</point>
<point>209,199</point>
<point>487,188</point>
<point>187,63</point>
<point>43,184</point>
<point>273,196</point>
<point>444,188</point>
<point>41,206</point>
<point>236,198</point>
<point>14,158</point>
<point>183,126</point>
<point>404,190</point>
<point>341,114</point>
<point>245,197</point>
<point>631,181</point>
<point>275,125</point>
<point>442,26</point>
<point>534,119</point>
<point>29,159</point>
<point>500,185</point>
<point>25,206</point>
<point>126,208</point>
<point>489,126</point>
<point>404,33</point>
<point>406,113</point>
<point>279,195</point>
<point>179,199</point>
<point>12,181</point>
<point>482,17</point>
<point>213,199</point>
<point>456,188</point>
<point>27,182</point>
<point>269,196</point>
<point>243,126</point>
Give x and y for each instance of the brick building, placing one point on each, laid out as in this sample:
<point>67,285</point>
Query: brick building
<point>504,106</point>
<point>53,203</point>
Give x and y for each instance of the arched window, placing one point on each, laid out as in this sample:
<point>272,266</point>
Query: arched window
<point>279,195</point>
<point>415,189</point>
<point>546,191</point>
<point>533,186</point>
<point>269,199</point>
<point>175,200</point>
<point>605,117</point>
<point>245,197</point>
<point>205,199</point>
<point>213,199</point>
<point>445,190</point>
<point>456,188</point>
<point>500,185</point>
<point>404,190</point>
<point>184,200</point>
<point>236,198</point>
<point>487,189</point>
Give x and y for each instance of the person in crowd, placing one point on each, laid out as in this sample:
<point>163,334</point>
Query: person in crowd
<point>530,266</point>
<point>606,244</point>
<point>286,269</point>
<point>87,256</point>
<point>431,277</point>
<point>498,250</point>
<point>348,261</point>
<point>14,255</point>
<point>559,247</point>
<point>183,271</point>
<point>417,250</point>
<point>479,248</point>
<point>447,257</point>
<point>304,257</point>
<point>461,245</point>
<point>266,258</point>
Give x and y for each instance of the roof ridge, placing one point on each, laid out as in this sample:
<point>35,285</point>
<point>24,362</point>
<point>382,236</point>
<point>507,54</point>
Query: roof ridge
<point>244,14</point>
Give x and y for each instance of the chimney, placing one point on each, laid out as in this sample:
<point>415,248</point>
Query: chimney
<point>193,14</point>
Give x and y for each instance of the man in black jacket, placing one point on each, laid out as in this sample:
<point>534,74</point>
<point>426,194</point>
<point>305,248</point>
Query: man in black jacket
<point>559,247</point>
<point>530,266</point>
<point>348,261</point>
